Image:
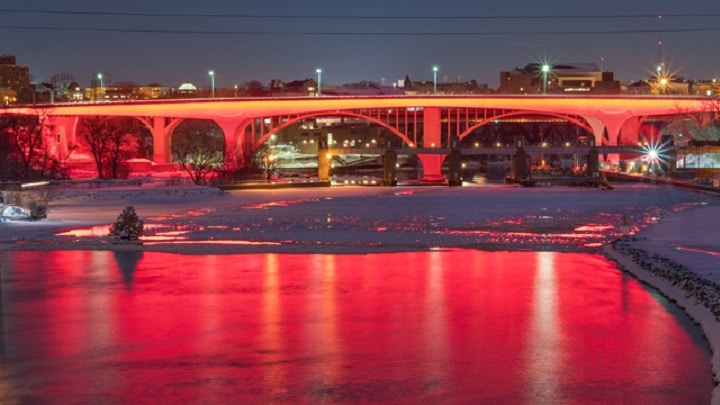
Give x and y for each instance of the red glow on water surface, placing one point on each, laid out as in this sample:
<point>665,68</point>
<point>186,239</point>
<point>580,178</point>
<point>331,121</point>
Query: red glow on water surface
<point>262,206</point>
<point>457,326</point>
<point>697,250</point>
<point>177,241</point>
<point>101,230</point>
<point>595,228</point>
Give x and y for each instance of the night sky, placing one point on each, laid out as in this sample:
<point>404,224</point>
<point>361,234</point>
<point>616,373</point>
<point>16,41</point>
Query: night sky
<point>251,41</point>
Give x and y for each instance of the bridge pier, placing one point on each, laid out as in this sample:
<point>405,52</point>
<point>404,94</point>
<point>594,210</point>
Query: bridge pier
<point>520,164</point>
<point>63,132</point>
<point>455,168</point>
<point>324,158</point>
<point>432,167</point>
<point>593,163</point>
<point>390,168</point>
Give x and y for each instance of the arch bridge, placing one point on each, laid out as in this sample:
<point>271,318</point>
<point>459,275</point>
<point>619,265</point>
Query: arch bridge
<point>418,122</point>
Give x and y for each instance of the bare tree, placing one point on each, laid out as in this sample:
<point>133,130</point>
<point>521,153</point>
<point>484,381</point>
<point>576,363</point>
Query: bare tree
<point>199,147</point>
<point>111,141</point>
<point>26,153</point>
<point>701,127</point>
<point>249,161</point>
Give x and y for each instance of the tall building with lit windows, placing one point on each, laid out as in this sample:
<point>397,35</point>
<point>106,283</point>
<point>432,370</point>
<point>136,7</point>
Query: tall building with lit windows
<point>12,75</point>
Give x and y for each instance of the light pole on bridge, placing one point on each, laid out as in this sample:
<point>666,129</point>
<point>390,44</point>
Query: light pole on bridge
<point>212,83</point>
<point>319,81</point>
<point>545,70</point>
<point>102,85</point>
<point>435,70</point>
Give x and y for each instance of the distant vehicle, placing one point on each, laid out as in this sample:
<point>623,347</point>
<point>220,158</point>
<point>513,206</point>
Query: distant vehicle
<point>13,213</point>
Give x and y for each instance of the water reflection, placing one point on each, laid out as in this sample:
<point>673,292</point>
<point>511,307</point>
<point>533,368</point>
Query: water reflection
<point>545,339</point>
<point>127,262</point>
<point>453,326</point>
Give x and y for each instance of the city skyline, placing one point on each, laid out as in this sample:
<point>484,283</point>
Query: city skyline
<point>174,42</point>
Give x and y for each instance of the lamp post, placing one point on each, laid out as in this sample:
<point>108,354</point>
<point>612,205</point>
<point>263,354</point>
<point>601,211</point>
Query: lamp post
<point>319,81</point>
<point>212,83</point>
<point>435,70</point>
<point>102,84</point>
<point>268,161</point>
<point>545,69</point>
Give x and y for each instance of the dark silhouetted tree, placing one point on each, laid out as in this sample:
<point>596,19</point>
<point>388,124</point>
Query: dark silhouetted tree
<point>199,147</point>
<point>111,141</point>
<point>26,155</point>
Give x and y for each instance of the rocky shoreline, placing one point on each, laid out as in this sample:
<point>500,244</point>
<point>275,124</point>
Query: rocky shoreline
<point>698,296</point>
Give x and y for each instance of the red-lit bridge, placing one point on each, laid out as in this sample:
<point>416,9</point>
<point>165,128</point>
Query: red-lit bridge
<point>418,122</point>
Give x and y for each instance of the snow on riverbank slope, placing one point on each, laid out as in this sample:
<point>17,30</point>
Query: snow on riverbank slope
<point>680,257</point>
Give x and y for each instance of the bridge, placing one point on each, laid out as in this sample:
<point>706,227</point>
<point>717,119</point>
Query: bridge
<point>425,125</point>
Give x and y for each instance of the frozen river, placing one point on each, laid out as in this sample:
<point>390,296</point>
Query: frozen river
<point>459,326</point>
<point>405,295</point>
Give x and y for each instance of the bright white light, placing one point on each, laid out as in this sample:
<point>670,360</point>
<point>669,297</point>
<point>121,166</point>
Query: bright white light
<point>653,155</point>
<point>655,152</point>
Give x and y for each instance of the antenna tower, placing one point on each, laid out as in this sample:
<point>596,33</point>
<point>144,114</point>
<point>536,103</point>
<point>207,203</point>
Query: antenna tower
<point>661,67</point>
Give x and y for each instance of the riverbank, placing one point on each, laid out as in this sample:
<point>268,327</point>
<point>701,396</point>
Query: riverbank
<point>680,256</point>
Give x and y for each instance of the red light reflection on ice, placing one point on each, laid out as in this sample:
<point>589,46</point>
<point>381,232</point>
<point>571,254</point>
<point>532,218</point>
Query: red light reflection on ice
<point>101,230</point>
<point>160,239</point>
<point>697,250</point>
<point>284,203</point>
<point>595,228</point>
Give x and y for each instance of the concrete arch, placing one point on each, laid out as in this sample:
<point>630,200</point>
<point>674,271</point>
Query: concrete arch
<point>299,118</point>
<point>161,129</point>
<point>581,124</point>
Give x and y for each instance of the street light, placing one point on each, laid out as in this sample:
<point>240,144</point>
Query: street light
<point>212,83</point>
<point>435,70</point>
<point>319,81</point>
<point>102,85</point>
<point>269,158</point>
<point>545,69</point>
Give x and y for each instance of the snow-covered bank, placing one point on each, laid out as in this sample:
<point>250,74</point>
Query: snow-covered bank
<point>680,257</point>
<point>354,219</point>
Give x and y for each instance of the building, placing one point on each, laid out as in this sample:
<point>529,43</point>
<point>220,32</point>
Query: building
<point>121,93</point>
<point>13,78</point>
<point>561,79</point>
<point>710,88</point>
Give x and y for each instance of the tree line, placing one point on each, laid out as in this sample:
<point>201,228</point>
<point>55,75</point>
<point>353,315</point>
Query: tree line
<point>198,148</point>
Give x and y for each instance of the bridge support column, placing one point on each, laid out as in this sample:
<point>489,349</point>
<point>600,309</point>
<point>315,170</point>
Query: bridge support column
<point>432,167</point>
<point>432,164</point>
<point>230,127</point>
<point>62,131</point>
<point>520,165</point>
<point>390,168</point>
<point>593,164</point>
<point>161,129</point>
<point>607,127</point>
<point>431,128</point>
<point>455,168</point>
<point>324,159</point>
